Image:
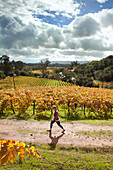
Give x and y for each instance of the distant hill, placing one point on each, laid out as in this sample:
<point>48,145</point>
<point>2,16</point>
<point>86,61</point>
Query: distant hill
<point>60,62</point>
<point>68,62</point>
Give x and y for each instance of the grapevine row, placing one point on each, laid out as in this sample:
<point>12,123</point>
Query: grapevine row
<point>97,101</point>
<point>30,82</point>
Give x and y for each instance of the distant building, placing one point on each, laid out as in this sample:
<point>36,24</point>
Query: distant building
<point>74,68</point>
<point>65,69</point>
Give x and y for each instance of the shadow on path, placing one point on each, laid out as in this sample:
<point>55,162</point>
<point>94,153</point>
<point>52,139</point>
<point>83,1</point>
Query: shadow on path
<point>54,140</point>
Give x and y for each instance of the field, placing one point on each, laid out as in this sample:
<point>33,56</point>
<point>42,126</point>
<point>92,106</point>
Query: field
<point>86,114</point>
<point>85,145</point>
<point>66,158</point>
<point>21,81</point>
<point>40,72</point>
<point>37,95</point>
<point>104,84</point>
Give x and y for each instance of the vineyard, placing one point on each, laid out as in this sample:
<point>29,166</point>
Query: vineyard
<point>35,96</point>
<point>21,81</point>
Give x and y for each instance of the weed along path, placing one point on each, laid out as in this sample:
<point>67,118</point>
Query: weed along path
<point>77,133</point>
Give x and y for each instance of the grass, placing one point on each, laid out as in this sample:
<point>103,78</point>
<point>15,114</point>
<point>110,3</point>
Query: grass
<point>103,84</point>
<point>97,122</point>
<point>103,134</point>
<point>66,158</point>
<point>62,157</point>
<point>25,131</point>
<point>45,116</point>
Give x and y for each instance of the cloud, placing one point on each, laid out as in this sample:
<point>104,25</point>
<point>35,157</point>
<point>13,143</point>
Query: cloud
<point>67,6</point>
<point>55,37</point>
<point>95,44</point>
<point>21,7</point>
<point>81,53</point>
<point>90,32</point>
<point>84,26</point>
<point>102,1</point>
<point>70,43</point>
<point>107,18</point>
<point>21,37</point>
<point>13,33</point>
<point>35,55</point>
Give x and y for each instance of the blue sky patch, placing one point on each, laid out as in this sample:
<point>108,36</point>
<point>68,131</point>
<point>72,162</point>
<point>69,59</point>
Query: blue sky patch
<point>61,19</point>
<point>92,6</point>
<point>55,18</point>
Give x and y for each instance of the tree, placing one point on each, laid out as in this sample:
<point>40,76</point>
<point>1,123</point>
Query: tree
<point>68,76</point>
<point>2,75</point>
<point>74,64</point>
<point>84,81</point>
<point>1,65</point>
<point>19,65</point>
<point>6,65</point>
<point>43,65</point>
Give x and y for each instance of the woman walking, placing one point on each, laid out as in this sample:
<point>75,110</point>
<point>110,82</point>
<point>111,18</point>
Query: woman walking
<point>55,119</point>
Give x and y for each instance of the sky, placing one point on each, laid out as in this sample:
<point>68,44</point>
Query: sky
<point>59,30</point>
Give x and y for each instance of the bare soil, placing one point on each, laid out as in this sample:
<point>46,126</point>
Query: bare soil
<point>75,135</point>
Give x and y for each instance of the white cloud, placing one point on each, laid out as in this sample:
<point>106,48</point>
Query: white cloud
<point>106,18</point>
<point>13,33</point>
<point>21,7</point>
<point>21,38</point>
<point>102,1</point>
<point>84,26</point>
<point>95,44</point>
<point>67,6</point>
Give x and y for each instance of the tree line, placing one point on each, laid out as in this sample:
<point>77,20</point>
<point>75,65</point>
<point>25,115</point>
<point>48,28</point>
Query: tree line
<point>19,68</point>
<point>96,70</point>
<point>80,74</point>
<point>8,68</point>
<point>85,74</point>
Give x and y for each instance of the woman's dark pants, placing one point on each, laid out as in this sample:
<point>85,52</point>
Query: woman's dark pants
<point>58,123</point>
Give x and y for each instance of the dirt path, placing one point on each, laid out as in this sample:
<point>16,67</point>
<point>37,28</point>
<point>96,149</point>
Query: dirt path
<point>77,134</point>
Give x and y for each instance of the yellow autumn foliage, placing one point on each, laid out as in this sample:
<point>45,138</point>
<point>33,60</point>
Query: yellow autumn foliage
<point>96,100</point>
<point>8,149</point>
